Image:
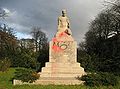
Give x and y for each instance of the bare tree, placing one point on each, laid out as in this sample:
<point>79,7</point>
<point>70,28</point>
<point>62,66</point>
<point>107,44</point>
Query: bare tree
<point>39,37</point>
<point>3,13</point>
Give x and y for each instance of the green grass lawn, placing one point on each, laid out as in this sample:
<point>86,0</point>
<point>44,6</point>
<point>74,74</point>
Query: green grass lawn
<point>6,83</point>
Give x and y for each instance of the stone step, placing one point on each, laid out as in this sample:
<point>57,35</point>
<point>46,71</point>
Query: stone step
<point>54,64</point>
<point>57,78</point>
<point>60,75</point>
<point>63,69</point>
<point>58,81</point>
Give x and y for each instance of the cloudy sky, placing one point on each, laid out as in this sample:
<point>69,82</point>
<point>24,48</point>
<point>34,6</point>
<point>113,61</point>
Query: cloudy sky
<point>24,14</point>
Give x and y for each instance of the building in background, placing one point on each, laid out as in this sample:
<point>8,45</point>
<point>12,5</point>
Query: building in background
<point>28,44</point>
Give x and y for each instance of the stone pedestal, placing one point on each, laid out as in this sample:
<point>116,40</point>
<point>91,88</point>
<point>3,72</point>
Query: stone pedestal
<point>62,67</point>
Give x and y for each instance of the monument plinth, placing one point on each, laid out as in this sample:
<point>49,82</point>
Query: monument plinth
<point>62,67</point>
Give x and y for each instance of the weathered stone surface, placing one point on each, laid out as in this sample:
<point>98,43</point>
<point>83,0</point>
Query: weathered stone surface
<point>63,51</point>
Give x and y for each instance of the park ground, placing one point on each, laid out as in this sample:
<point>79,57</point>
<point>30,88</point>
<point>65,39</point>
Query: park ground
<point>6,83</point>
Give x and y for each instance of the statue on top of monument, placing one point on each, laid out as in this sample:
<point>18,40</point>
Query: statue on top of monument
<point>63,23</point>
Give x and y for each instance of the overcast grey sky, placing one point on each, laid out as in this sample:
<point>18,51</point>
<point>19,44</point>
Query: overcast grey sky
<point>44,13</point>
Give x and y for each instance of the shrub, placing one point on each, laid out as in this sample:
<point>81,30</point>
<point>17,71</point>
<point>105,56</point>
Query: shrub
<point>24,60</point>
<point>4,64</point>
<point>99,79</point>
<point>26,75</point>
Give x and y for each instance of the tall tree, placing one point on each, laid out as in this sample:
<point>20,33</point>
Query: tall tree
<point>3,13</point>
<point>8,41</point>
<point>39,37</point>
<point>103,40</point>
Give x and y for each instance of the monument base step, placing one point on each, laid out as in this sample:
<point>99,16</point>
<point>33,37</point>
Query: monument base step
<point>58,81</point>
<point>53,81</point>
<point>60,75</point>
<point>62,64</point>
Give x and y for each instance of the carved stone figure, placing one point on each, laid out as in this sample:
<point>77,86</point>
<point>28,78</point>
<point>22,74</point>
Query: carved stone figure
<point>63,23</point>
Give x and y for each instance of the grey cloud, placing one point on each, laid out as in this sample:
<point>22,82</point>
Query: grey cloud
<point>44,13</point>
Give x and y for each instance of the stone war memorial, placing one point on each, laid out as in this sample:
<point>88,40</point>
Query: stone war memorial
<point>62,67</point>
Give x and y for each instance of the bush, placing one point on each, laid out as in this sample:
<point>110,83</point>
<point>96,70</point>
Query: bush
<point>88,62</point>
<point>99,79</point>
<point>4,64</point>
<point>25,60</point>
<point>26,75</point>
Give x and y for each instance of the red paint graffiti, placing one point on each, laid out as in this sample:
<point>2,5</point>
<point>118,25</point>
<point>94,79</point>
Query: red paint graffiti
<point>62,34</point>
<point>55,46</point>
<point>56,42</point>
